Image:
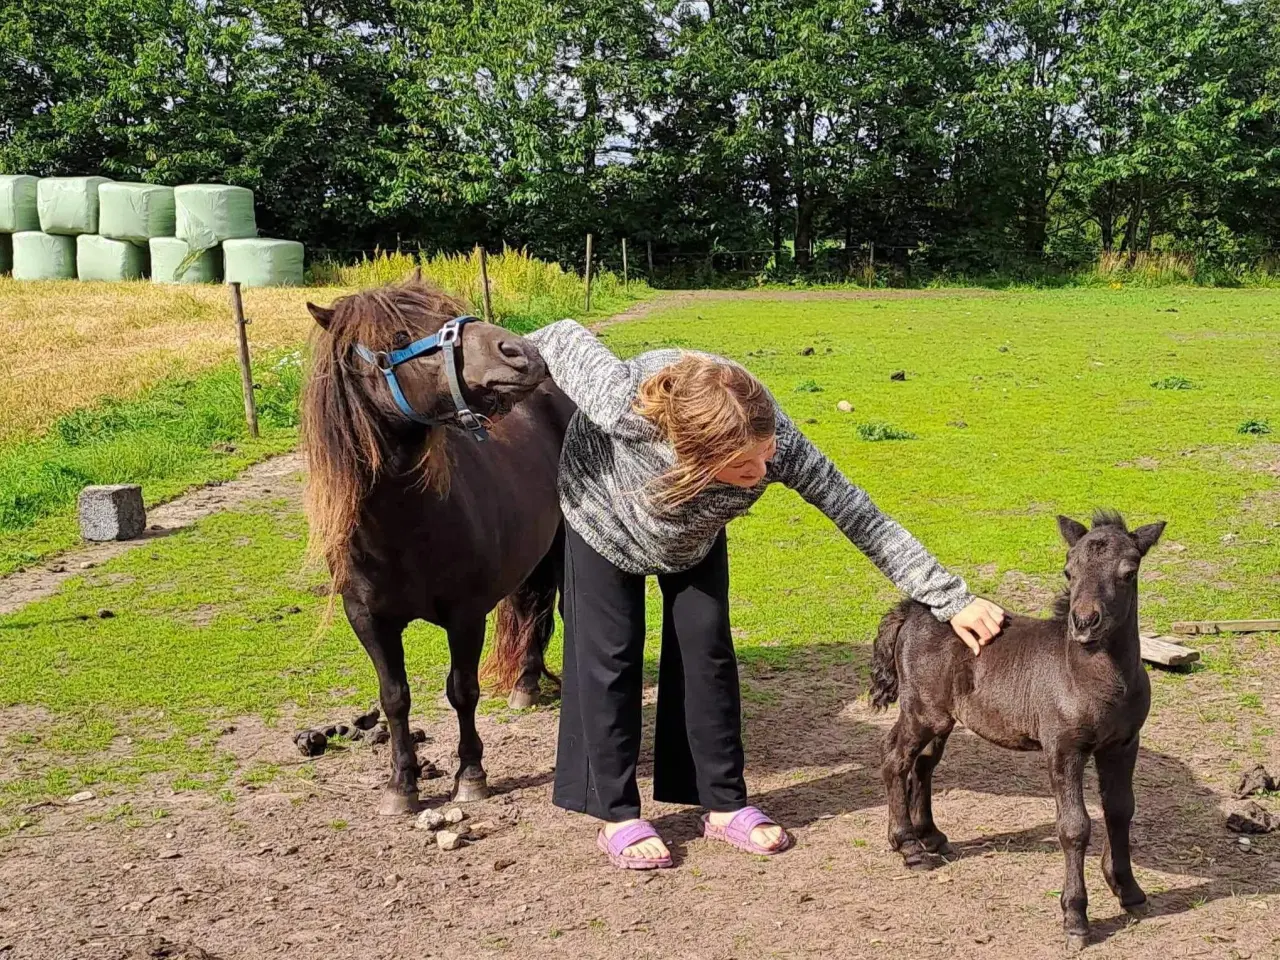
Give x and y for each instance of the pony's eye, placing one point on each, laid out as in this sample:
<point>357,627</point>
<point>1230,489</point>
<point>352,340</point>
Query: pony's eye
<point>1127,573</point>
<point>1067,574</point>
<point>401,339</point>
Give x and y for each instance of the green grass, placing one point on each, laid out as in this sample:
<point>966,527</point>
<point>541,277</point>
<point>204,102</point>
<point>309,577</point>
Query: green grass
<point>177,435</point>
<point>1063,421</point>
<point>875,432</point>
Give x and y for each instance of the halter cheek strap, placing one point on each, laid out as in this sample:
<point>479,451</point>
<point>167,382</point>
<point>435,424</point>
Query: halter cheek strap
<point>446,340</point>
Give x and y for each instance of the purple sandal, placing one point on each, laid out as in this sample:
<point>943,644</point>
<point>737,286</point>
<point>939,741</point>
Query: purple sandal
<point>629,836</point>
<point>738,832</point>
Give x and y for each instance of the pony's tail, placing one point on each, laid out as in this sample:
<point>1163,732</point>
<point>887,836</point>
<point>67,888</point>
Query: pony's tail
<point>884,659</point>
<point>523,627</point>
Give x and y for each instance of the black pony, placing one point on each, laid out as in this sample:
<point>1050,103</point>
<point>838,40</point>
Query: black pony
<point>417,520</point>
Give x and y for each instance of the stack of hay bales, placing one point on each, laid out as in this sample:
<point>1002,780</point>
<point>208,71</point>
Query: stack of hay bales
<point>59,228</point>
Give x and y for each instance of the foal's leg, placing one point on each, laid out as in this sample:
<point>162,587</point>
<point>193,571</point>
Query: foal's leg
<point>901,747</point>
<point>466,640</point>
<point>1066,774</point>
<point>920,794</point>
<point>1115,783</point>
<point>380,638</point>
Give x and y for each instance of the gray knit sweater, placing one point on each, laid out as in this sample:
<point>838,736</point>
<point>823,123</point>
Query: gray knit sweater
<point>611,454</point>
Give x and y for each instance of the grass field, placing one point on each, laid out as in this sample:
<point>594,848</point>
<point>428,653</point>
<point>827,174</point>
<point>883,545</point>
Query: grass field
<point>1022,405</point>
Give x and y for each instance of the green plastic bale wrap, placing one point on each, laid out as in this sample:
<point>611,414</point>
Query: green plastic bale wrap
<point>43,256</point>
<point>18,209</point>
<point>168,255</point>
<point>101,258</point>
<point>263,262</point>
<point>209,213</point>
<point>69,205</point>
<point>6,253</point>
<point>135,211</point>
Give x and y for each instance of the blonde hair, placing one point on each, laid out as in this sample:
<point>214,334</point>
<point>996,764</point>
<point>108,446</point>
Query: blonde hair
<point>711,413</point>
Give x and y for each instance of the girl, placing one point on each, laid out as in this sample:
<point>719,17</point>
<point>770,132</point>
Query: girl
<point>664,451</point>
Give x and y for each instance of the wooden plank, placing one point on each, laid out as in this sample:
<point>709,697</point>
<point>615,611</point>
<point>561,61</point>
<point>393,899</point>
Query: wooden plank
<point>1166,653</point>
<point>1193,627</point>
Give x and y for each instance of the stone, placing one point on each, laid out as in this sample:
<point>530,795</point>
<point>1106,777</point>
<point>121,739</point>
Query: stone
<point>454,815</point>
<point>1250,817</point>
<point>81,797</point>
<point>449,840</point>
<point>502,864</point>
<point>844,406</point>
<point>1254,781</point>
<point>429,820</point>
<point>112,512</point>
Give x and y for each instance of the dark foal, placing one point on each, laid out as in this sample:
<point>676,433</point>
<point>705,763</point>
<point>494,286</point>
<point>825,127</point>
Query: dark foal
<point>417,520</point>
<point>1073,686</point>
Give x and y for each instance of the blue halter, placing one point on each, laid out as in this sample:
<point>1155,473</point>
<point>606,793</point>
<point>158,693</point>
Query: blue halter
<point>446,339</point>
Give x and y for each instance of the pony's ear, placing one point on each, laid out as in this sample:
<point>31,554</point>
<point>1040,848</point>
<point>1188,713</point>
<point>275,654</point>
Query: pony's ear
<point>1071,530</point>
<point>323,315</point>
<point>1146,537</point>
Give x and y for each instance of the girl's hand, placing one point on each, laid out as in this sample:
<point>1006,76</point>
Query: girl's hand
<point>977,623</point>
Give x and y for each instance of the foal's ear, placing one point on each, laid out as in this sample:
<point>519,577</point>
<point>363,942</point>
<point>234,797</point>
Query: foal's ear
<point>323,315</point>
<point>1071,530</point>
<point>1146,537</point>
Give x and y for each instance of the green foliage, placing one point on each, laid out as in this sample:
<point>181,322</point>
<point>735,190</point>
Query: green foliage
<point>808,386</point>
<point>873,432</point>
<point>1173,383</point>
<point>1254,427</point>
<point>770,139</point>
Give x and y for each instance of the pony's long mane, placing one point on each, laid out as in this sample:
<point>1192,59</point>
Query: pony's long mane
<point>344,432</point>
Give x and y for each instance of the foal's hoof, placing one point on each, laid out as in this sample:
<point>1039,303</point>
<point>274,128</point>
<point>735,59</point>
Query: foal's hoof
<point>522,699</point>
<point>915,857</point>
<point>1138,908</point>
<point>1077,942</point>
<point>471,789</point>
<point>938,843</point>
<point>397,804</point>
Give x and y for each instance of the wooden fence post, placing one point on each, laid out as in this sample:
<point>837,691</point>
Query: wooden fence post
<point>625,281</point>
<point>648,244</point>
<point>246,371</point>
<point>588,273</point>
<point>484,280</point>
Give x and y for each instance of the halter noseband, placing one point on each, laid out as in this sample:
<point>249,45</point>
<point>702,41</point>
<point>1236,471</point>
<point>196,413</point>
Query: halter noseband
<point>446,339</point>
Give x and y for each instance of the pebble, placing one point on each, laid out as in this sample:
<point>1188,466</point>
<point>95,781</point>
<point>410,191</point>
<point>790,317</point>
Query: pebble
<point>81,797</point>
<point>291,849</point>
<point>448,840</point>
<point>844,406</point>
<point>500,865</point>
<point>88,565</point>
<point>169,855</point>
<point>391,879</point>
<point>429,820</point>
<point>455,815</point>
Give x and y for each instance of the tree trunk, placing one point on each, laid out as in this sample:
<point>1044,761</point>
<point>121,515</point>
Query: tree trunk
<point>802,189</point>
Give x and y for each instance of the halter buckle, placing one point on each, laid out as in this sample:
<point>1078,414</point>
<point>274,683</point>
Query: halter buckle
<point>450,333</point>
<point>382,360</point>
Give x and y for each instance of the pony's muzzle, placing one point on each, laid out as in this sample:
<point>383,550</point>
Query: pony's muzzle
<point>1083,628</point>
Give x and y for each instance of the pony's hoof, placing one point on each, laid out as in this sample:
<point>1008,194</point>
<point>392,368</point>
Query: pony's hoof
<point>1077,942</point>
<point>1139,908</point>
<point>938,843</point>
<point>397,804</point>
<point>522,699</point>
<point>471,789</point>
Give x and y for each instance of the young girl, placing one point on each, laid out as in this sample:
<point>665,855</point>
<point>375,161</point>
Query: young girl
<point>664,451</point>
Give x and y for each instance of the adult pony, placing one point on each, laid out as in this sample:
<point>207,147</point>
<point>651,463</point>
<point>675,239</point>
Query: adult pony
<point>418,520</point>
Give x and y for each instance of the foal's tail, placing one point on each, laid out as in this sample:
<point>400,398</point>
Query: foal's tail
<point>524,624</point>
<point>884,658</point>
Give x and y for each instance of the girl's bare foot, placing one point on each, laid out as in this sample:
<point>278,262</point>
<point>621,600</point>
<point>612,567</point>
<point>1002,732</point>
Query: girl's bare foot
<point>650,849</point>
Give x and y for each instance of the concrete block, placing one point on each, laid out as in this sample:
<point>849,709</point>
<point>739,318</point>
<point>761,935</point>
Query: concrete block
<point>112,512</point>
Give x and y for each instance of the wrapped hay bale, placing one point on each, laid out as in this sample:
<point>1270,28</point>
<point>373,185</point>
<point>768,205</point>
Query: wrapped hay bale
<point>263,262</point>
<point>168,254</point>
<point>135,211</point>
<point>6,253</point>
<point>43,256</point>
<point>69,205</point>
<point>209,213</point>
<point>18,209</point>
<point>101,258</point>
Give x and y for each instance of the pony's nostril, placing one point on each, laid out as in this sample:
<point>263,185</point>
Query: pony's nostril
<point>511,350</point>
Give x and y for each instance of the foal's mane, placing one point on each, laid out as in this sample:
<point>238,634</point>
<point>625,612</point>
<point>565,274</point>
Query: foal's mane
<point>1101,518</point>
<point>345,435</point>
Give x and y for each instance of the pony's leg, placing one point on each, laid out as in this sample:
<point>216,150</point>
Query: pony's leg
<point>1115,783</point>
<point>463,689</point>
<point>901,747</point>
<point>534,603</point>
<point>1066,774</point>
<point>381,639</point>
<point>920,793</point>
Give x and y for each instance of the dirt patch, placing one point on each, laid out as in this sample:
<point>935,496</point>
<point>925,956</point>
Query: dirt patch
<point>279,476</point>
<point>1026,594</point>
<point>300,865</point>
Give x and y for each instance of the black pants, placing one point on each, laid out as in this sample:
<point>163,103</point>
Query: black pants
<point>698,736</point>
